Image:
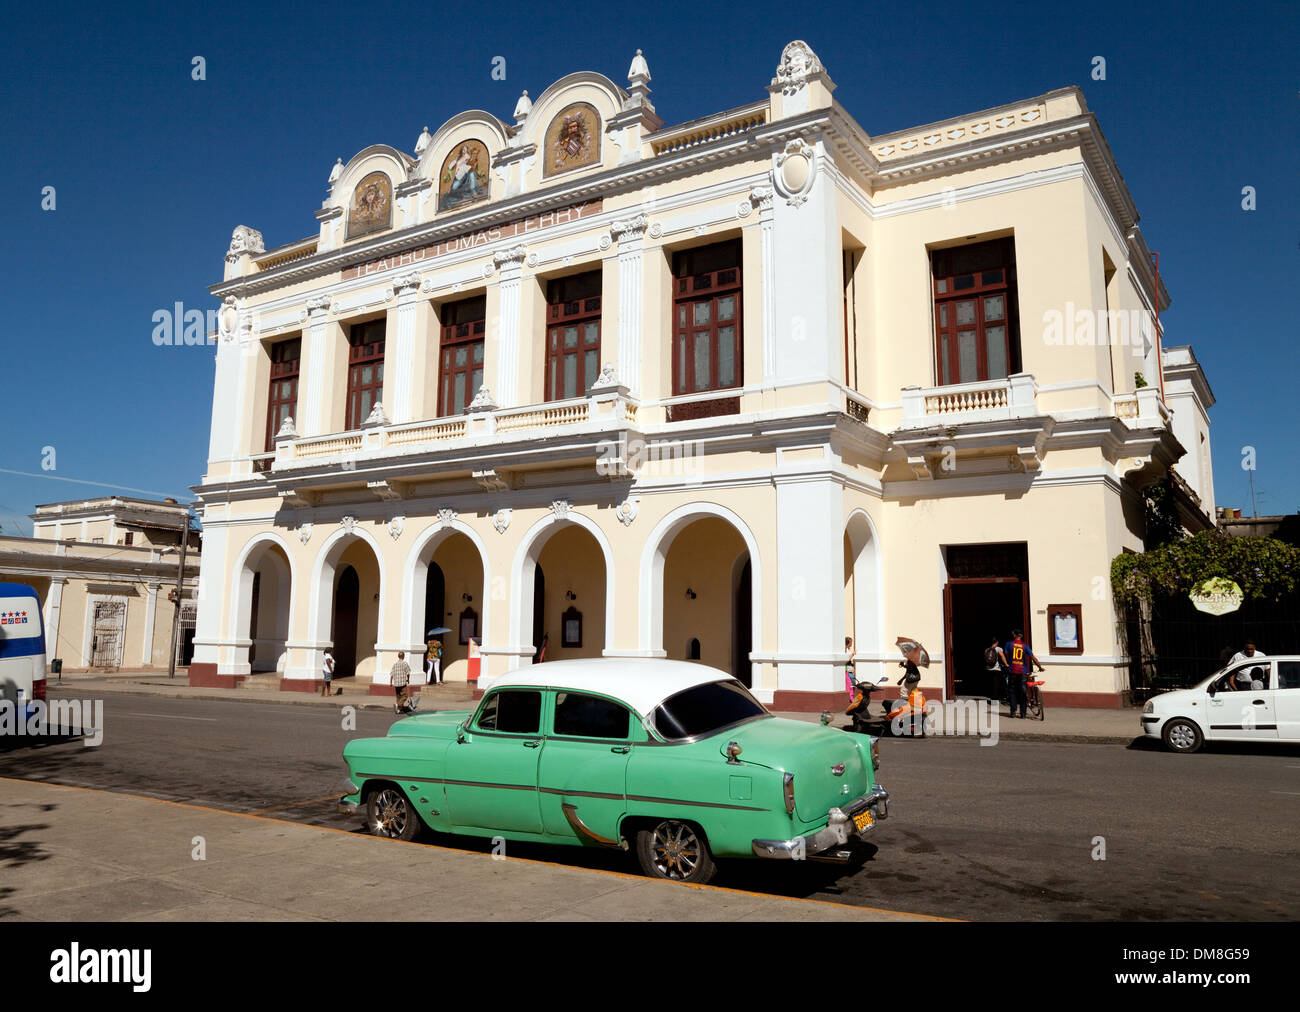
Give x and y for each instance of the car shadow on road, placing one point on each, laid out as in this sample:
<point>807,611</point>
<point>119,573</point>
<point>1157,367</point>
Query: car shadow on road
<point>1260,748</point>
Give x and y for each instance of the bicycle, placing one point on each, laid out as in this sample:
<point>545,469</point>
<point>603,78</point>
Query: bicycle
<point>1035,699</point>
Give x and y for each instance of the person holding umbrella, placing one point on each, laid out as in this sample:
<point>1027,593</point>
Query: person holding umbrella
<point>433,654</point>
<point>912,705</point>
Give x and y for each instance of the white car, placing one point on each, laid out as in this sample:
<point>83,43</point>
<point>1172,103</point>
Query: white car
<point>1225,707</point>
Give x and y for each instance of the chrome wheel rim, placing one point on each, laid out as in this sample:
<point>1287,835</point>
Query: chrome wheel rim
<point>1180,735</point>
<point>676,850</point>
<point>390,814</point>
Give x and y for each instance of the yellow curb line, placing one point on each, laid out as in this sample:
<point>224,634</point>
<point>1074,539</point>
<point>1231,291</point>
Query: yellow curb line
<point>456,850</point>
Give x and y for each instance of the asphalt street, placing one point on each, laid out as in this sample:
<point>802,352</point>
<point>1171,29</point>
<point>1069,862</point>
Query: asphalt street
<point>1016,831</point>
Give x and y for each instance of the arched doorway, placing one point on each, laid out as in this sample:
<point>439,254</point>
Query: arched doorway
<point>263,603</point>
<point>706,568</point>
<point>863,608</point>
<point>345,616</point>
<point>343,629</point>
<point>720,554</point>
<point>448,581</point>
<point>572,605</point>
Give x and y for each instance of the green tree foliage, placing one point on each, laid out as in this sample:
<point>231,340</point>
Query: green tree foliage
<point>1264,568</point>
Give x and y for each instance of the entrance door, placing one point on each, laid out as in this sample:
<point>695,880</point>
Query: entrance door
<point>435,594</point>
<point>987,595</point>
<point>347,600</point>
<point>980,611</point>
<point>109,625</point>
<point>743,625</point>
<point>539,611</point>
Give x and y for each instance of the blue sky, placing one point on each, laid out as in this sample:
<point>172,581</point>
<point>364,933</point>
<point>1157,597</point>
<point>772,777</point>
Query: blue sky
<point>152,170</point>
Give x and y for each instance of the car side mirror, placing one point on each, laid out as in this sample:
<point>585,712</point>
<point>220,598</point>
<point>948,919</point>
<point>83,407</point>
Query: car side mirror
<point>1212,689</point>
<point>461,736</point>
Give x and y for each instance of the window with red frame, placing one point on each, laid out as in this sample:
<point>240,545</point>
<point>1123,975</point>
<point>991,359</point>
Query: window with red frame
<point>706,318</point>
<point>975,312</point>
<point>365,370</point>
<point>572,335</point>
<point>461,353</point>
<point>282,400</point>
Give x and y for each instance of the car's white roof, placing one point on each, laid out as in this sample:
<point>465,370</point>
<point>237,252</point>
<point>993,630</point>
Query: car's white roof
<point>641,682</point>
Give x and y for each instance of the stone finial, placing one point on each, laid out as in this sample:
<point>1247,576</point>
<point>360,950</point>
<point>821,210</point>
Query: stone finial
<point>522,108</point>
<point>287,429</point>
<point>638,84</point>
<point>639,72</point>
<point>376,416</point>
<point>798,64</point>
<point>336,171</point>
<point>483,401</point>
<point>422,141</point>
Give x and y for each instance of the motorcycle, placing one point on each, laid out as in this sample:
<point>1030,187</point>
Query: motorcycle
<point>858,710</point>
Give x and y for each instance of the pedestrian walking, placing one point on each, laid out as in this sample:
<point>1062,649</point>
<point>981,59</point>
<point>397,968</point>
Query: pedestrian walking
<point>996,660</point>
<point>327,672</point>
<point>850,669</point>
<point>1021,660</point>
<point>433,661</point>
<point>401,677</point>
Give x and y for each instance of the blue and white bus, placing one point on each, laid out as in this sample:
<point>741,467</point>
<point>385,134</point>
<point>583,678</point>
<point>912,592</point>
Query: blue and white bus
<point>22,648</point>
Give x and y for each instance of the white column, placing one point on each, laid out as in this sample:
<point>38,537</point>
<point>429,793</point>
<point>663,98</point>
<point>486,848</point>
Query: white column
<point>806,256</point>
<point>510,262</point>
<point>810,574</point>
<point>53,611</point>
<point>762,197</point>
<point>312,403</point>
<point>630,233</point>
<point>400,378</point>
<point>225,402</point>
<point>150,608</point>
<point>213,581</point>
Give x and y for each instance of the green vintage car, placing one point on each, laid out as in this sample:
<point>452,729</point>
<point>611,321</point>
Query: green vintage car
<point>673,759</point>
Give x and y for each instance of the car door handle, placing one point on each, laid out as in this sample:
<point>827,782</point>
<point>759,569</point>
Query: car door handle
<point>1257,702</point>
<point>535,743</point>
<point>621,749</point>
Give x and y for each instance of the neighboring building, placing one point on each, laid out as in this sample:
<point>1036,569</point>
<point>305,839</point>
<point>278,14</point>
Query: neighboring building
<point>105,570</point>
<point>729,390</point>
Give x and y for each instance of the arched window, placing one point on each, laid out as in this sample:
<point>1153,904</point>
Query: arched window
<point>693,650</point>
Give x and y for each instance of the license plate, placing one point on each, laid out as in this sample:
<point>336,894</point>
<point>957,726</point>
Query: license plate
<point>863,820</point>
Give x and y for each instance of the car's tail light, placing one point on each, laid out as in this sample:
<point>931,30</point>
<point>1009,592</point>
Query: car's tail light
<point>787,784</point>
<point>38,688</point>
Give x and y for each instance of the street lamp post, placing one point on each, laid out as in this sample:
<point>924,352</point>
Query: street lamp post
<point>180,591</point>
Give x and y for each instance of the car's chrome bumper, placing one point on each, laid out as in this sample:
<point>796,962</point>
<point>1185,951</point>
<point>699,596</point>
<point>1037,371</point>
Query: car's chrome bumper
<point>839,830</point>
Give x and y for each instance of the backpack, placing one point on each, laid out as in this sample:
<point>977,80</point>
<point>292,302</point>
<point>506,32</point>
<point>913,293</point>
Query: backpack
<point>990,657</point>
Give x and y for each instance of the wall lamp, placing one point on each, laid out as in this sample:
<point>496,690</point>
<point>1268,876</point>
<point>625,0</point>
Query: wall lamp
<point>691,594</point>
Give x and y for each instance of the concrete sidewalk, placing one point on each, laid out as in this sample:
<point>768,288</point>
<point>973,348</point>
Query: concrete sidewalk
<point>73,854</point>
<point>1113,727</point>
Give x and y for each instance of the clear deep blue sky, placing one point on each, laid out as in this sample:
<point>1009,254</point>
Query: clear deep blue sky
<point>153,170</point>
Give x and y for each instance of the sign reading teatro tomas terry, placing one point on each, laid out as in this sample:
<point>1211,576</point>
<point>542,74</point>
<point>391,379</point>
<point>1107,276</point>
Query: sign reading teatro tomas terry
<point>1216,596</point>
<point>517,228</point>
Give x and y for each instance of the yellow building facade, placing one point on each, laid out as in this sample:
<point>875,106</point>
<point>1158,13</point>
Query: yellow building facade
<point>583,384</point>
